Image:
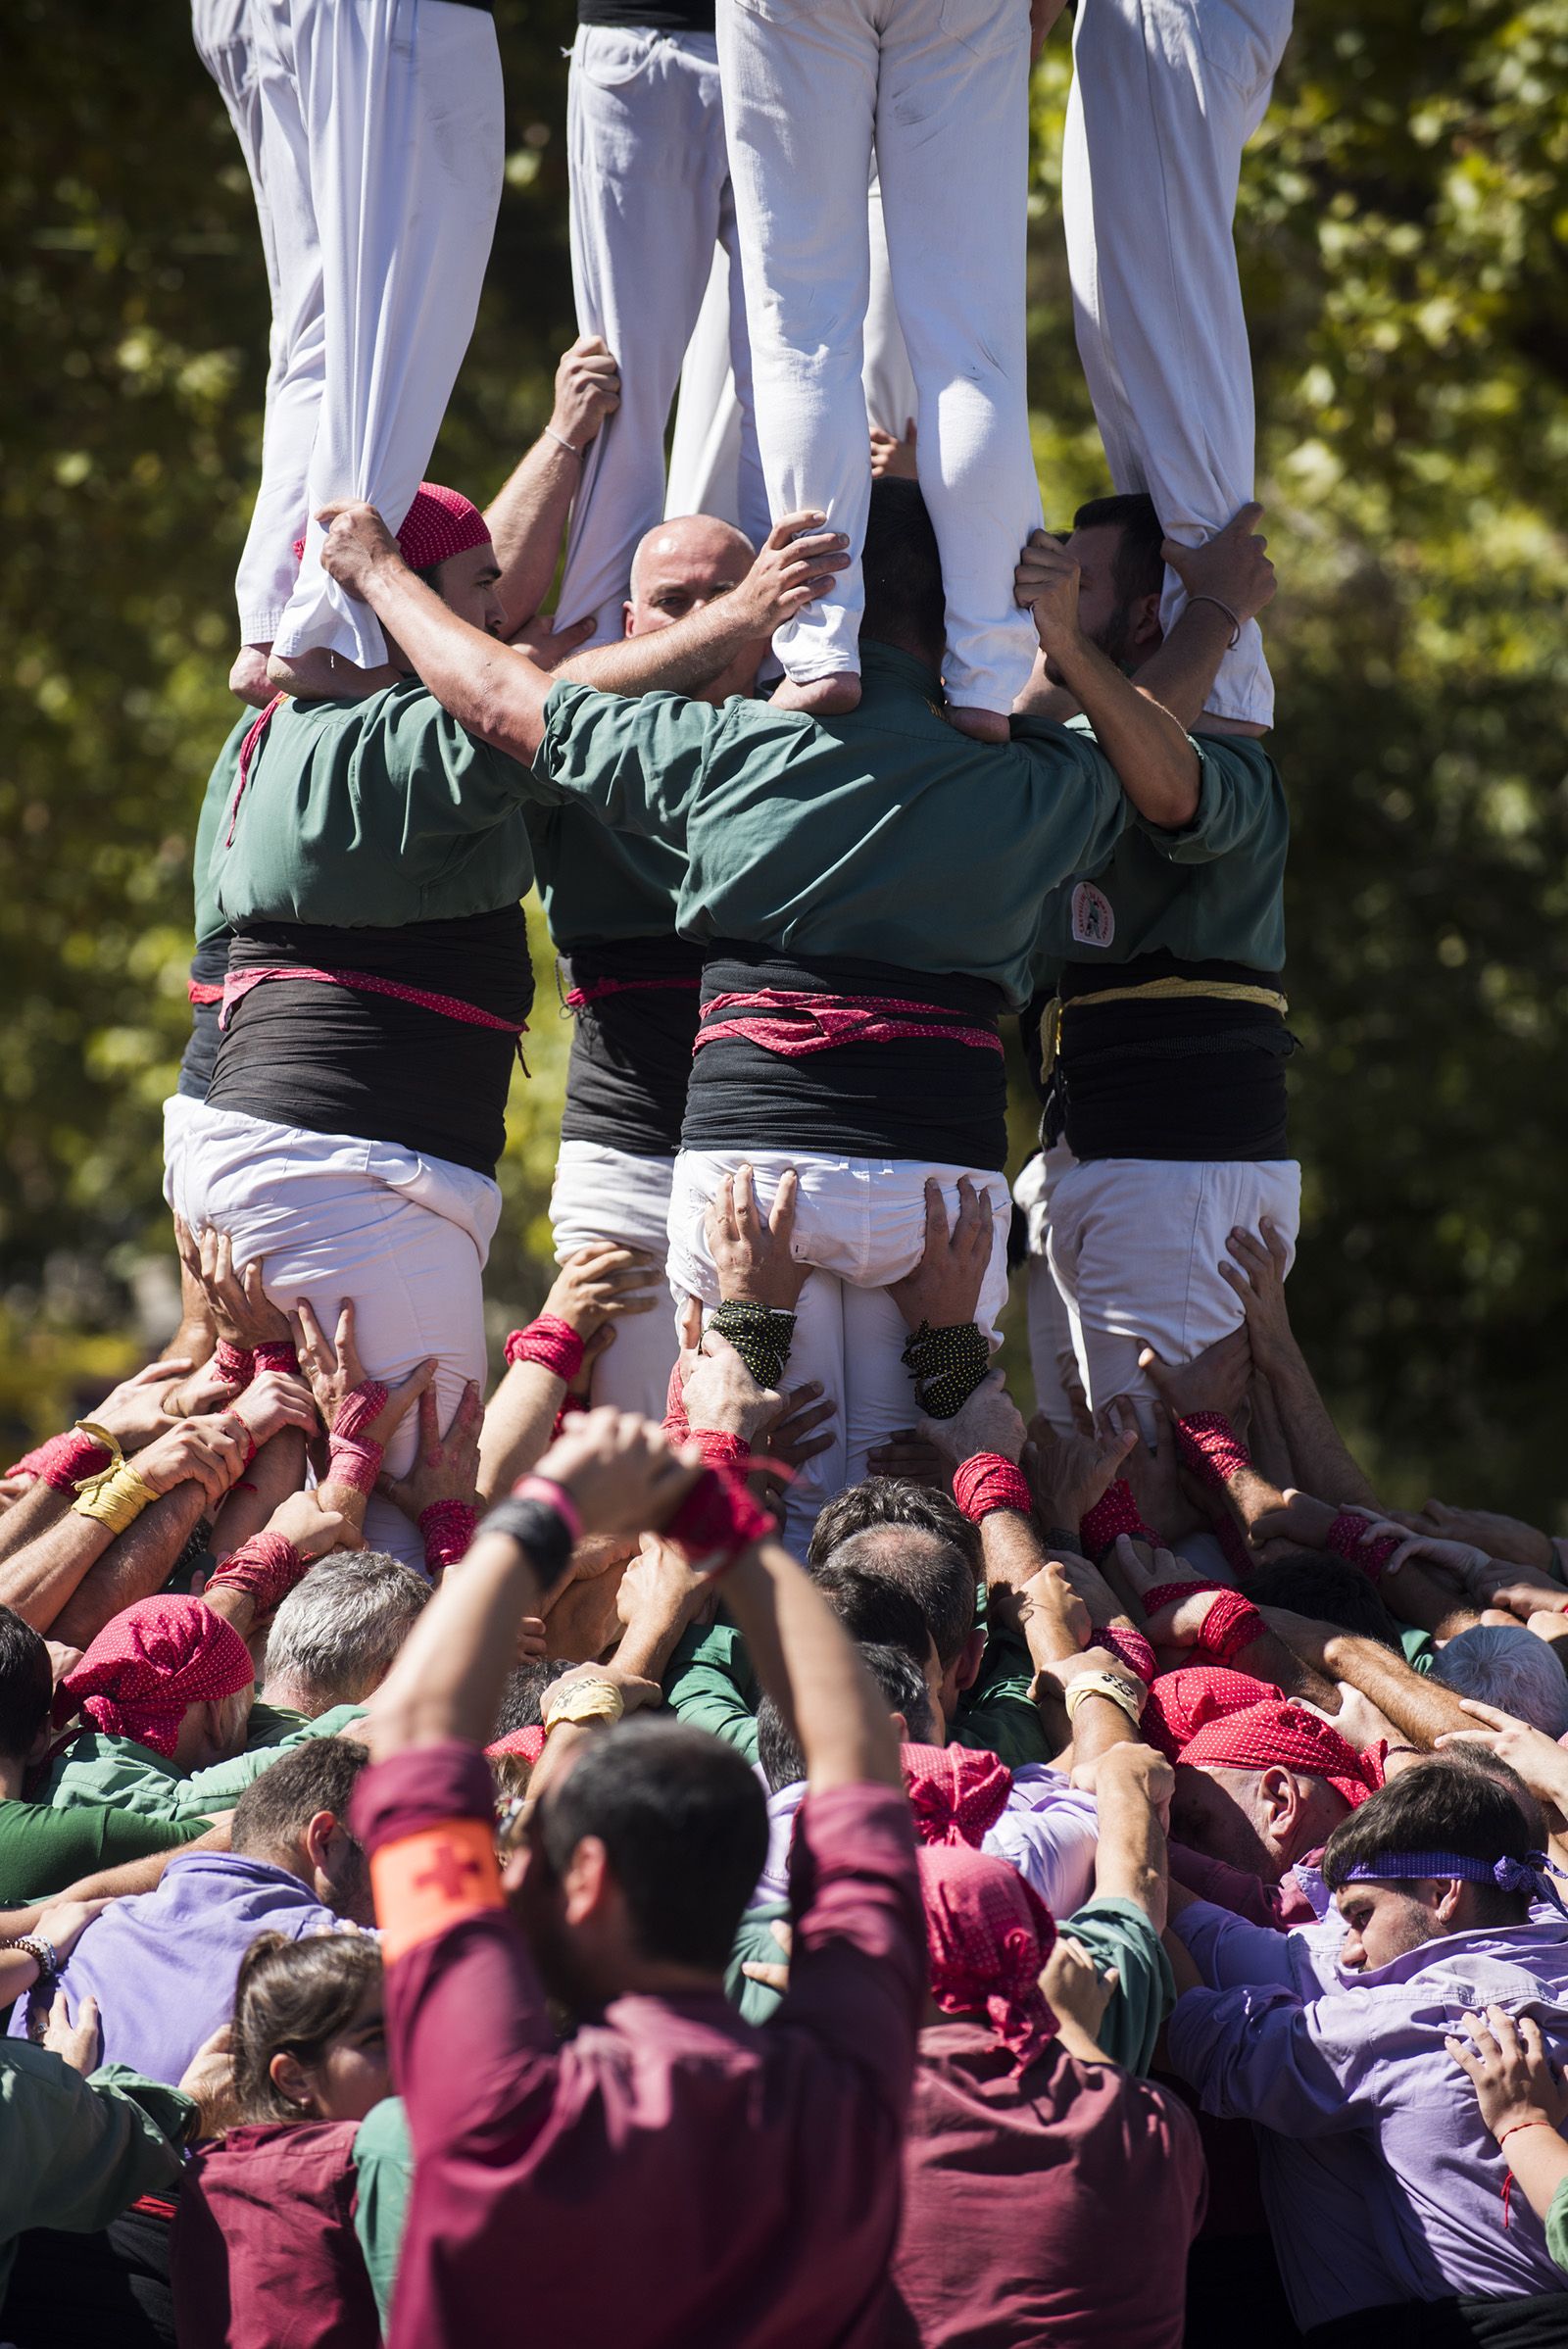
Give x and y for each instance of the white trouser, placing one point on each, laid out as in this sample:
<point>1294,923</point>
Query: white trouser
<point>606,1194</point>
<point>1135,1246</point>
<point>332,1217</point>
<point>942,93</point>
<point>860,1222</point>
<point>1053,1354</point>
<point>1165,95</point>
<point>389,113</point>
<point>224,32</point>
<point>705,457</point>
<point>650,201</point>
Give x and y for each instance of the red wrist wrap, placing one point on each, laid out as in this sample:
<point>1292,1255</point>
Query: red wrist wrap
<point>718,1521</point>
<point>549,1340</point>
<point>1238,1557</point>
<point>234,1364</point>
<point>677,1428</point>
<point>353,1458</point>
<point>1231,1624</point>
<point>1115,1513</point>
<point>277,1353</point>
<point>64,1461</point>
<point>1124,1640</point>
<point>1168,1594</point>
<point>990,1481</point>
<point>720,1449</point>
<point>266,1568</point>
<point>449,1528</point>
<point>1211,1447</point>
<point>1351,1536</point>
<point>570,1408</point>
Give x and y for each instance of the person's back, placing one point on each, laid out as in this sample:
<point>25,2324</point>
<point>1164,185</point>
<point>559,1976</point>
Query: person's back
<point>288,2188</point>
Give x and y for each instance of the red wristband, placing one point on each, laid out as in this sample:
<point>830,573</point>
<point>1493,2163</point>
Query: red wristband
<point>1211,1447</point>
<point>1115,1513</point>
<point>990,1481</point>
<point>235,1365</point>
<point>553,1496</point>
<point>353,1458</point>
<point>550,1341</point>
<point>720,1449</point>
<point>1231,1624</point>
<point>571,1406</point>
<point>449,1528</point>
<point>718,1522</point>
<point>64,1461</point>
<point>1351,1536</point>
<point>277,1353</point>
<point>1126,1640</point>
<point>266,1568</point>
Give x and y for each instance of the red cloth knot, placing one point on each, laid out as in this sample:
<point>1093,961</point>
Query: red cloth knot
<point>152,1662</point>
<point>1115,1513</point>
<point>1181,1703</point>
<point>956,1795</point>
<point>990,1481</point>
<point>550,1341</point>
<point>987,1935</point>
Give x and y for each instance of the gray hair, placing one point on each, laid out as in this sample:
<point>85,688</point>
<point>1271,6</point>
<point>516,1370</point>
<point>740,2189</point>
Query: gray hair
<point>1508,1666</point>
<point>335,1637</point>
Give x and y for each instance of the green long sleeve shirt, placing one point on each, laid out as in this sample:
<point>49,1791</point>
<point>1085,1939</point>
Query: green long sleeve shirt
<point>383,2180</point>
<point>73,2152</point>
<point>96,1769</point>
<point>846,836</point>
<point>43,1849</point>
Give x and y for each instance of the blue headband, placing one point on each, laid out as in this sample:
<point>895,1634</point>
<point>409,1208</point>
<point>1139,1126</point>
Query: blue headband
<point>1528,1875</point>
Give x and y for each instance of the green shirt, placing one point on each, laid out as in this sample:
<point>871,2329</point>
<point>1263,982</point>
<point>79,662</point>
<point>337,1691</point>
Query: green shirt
<point>97,1769</point>
<point>374,813</point>
<point>848,837</point>
<point>998,1714</point>
<point>1557,2225</point>
<point>73,2152</point>
<point>601,887</point>
<point>214,816</point>
<point>1211,892</point>
<point>42,1849</point>
<point>710,1684</point>
<point>1117,1933</point>
<point>383,2174</point>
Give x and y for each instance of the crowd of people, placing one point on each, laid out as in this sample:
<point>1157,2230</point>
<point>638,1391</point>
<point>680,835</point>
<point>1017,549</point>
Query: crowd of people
<point>727,1833</point>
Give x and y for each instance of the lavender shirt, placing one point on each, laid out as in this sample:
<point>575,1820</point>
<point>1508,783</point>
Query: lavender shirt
<point>163,1965</point>
<point>1381,2180</point>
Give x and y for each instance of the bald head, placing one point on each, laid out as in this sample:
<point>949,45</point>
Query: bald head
<point>682,565</point>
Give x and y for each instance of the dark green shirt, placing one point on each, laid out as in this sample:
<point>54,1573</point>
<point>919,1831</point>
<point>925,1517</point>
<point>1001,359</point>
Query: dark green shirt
<point>1211,892</point>
<point>43,1849</point>
<point>212,819</point>
<point>601,887</point>
<point>373,814</point>
<point>885,834</point>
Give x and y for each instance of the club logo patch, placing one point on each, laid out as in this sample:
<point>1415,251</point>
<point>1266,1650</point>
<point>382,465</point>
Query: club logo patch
<point>1093,921</point>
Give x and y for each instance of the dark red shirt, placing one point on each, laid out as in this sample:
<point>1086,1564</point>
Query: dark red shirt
<point>1056,2207</point>
<point>671,2175</point>
<point>264,2255</point>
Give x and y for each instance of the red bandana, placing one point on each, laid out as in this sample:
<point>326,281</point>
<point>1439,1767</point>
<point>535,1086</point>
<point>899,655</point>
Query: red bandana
<point>987,1935</point>
<point>146,1667</point>
<point>956,1795</point>
<point>441,522</point>
<point>1277,1734</point>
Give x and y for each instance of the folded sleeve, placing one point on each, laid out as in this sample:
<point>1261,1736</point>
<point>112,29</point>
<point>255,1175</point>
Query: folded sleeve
<point>1238,802</point>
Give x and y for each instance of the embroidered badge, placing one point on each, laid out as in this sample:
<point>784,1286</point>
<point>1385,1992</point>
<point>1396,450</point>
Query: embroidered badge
<point>1093,921</point>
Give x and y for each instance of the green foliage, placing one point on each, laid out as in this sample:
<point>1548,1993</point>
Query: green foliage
<point>1402,225</point>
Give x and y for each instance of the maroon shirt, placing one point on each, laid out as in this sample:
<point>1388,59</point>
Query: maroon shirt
<point>1056,2207</point>
<point>671,2175</point>
<point>264,2255</point>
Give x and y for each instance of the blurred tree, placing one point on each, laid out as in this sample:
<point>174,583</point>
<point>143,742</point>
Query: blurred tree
<point>1403,225</point>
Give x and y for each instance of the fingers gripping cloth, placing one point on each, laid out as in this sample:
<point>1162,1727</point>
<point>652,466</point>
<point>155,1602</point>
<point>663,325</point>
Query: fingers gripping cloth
<point>761,1335</point>
<point>1180,1703</point>
<point>1211,1447</point>
<point>550,1342</point>
<point>65,1461</point>
<point>448,1528</point>
<point>353,1458</point>
<point>990,1481</point>
<point>1278,1734</point>
<point>150,1663</point>
<point>1115,1513</point>
<point>718,1522</point>
<point>234,1364</point>
<point>987,1935</point>
<point>946,1366</point>
<point>1231,1624</point>
<point>1125,1640</point>
<point>954,1793</point>
<point>440,523</point>
<point>1351,1536</point>
<point>266,1568</point>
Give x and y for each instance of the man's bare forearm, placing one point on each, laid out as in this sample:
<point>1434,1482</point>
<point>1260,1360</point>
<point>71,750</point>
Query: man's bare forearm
<point>1130,1858</point>
<point>33,1514</point>
<point>1160,770</point>
<point>1180,675</point>
<point>1321,1459</point>
<point>1422,1710</point>
<point>683,658</point>
<point>135,1566</point>
<point>526,520</point>
<point>38,1580</point>
<point>518,1422</point>
<point>492,689</point>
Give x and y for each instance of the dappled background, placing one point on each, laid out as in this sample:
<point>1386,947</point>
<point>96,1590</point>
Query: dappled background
<point>1403,231</point>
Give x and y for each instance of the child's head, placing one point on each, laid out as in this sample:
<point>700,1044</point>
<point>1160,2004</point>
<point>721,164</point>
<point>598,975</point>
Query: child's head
<point>310,2040</point>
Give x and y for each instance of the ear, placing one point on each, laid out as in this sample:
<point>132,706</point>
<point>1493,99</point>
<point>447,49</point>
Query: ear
<point>902,1727</point>
<point>287,2076</point>
<point>1147,629</point>
<point>1448,1905</point>
<point>628,620</point>
<point>1279,1799</point>
<point>587,1882</point>
<point>317,1841</point>
<point>969,1662</point>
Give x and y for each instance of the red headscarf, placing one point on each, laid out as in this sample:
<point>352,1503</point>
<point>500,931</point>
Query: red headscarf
<point>529,1742</point>
<point>153,1661</point>
<point>987,1935</point>
<point>1277,1734</point>
<point>1180,1703</point>
<point>440,523</point>
<point>956,1795</point>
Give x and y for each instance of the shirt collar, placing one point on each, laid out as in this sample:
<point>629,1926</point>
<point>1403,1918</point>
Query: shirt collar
<point>899,667</point>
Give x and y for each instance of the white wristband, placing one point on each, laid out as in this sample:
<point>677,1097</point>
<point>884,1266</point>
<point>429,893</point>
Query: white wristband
<point>572,450</point>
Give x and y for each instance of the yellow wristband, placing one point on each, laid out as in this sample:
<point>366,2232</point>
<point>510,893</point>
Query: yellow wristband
<point>103,1436</point>
<point>582,1701</point>
<point>1107,1684</point>
<point>116,1498</point>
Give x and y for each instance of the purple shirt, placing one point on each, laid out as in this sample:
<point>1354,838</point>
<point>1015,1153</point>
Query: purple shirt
<point>1381,2180</point>
<point>163,1965</point>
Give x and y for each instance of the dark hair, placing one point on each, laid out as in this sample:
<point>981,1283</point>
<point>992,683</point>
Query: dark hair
<point>896,1676</point>
<point>1329,1589</point>
<point>26,1685</point>
<point>294,1996</point>
<point>931,1569</point>
<point>874,1610</point>
<point>522,1698</point>
<point>906,602</point>
<point>893,1500</point>
<point>320,1774</point>
<point>1139,567</point>
<point>685,1827</point>
<point>1435,1807</point>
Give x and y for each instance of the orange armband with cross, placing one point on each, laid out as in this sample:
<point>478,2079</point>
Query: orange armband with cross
<point>426,1882</point>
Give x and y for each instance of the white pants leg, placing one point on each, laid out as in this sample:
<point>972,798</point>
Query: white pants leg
<point>332,1217</point>
<point>861,1222</point>
<point>1053,1345</point>
<point>1135,1246</point>
<point>401,108</point>
<point>649,175</point>
<point>271,140</point>
<point>605,1194</point>
<point>1164,98</point>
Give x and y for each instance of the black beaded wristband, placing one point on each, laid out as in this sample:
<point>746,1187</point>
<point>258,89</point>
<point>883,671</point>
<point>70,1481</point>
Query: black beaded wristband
<point>542,1532</point>
<point>761,1335</point>
<point>946,1366</point>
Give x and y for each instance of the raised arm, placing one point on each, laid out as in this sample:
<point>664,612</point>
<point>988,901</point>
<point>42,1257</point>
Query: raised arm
<point>1160,769</point>
<point>1321,1460</point>
<point>529,513</point>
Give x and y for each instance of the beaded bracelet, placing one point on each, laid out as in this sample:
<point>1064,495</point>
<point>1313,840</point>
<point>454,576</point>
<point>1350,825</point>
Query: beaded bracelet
<point>43,1953</point>
<point>946,1366</point>
<point>761,1335</point>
